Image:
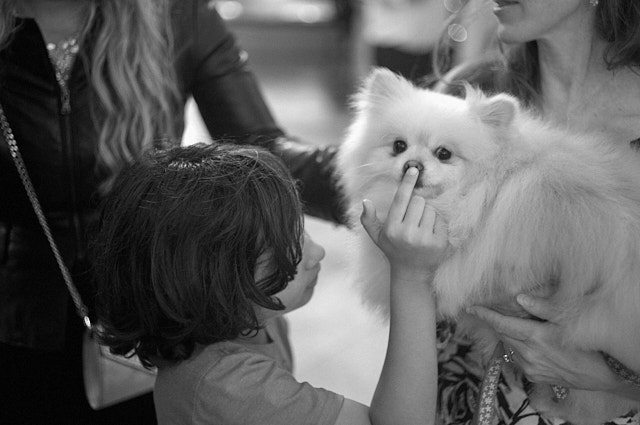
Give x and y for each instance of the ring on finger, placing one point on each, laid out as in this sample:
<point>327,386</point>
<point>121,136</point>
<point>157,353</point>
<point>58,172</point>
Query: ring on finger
<point>508,356</point>
<point>560,392</point>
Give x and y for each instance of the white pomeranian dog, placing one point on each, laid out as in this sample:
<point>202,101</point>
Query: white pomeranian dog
<point>530,208</point>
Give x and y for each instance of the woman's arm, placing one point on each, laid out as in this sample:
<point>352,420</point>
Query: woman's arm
<point>215,70</point>
<point>543,357</point>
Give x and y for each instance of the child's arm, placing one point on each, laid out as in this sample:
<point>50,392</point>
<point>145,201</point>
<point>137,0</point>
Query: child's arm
<point>414,242</point>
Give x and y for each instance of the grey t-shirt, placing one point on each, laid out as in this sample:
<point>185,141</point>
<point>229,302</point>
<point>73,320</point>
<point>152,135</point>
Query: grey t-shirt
<point>238,382</point>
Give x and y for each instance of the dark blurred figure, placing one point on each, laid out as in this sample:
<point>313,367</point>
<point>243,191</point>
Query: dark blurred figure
<point>402,34</point>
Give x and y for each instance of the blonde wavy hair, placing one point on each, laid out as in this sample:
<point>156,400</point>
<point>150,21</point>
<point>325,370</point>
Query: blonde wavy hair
<point>132,76</point>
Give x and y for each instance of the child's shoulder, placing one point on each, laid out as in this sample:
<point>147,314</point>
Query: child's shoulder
<point>218,359</point>
<point>232,360</point>
<point>222,379</point>
<point>222,368</point>
<point>213,381</point>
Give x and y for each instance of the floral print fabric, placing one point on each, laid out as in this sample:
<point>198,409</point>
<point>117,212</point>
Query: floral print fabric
<point>460,373</point>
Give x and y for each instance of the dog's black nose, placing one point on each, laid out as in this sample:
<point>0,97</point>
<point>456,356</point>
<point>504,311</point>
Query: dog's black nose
<point>412,163</point>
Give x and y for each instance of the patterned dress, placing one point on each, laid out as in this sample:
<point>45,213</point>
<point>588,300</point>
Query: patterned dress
<point>460,373</point>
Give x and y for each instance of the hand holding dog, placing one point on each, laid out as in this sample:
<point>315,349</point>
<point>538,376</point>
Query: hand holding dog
<point>413,237</point>
<point>539,350</point>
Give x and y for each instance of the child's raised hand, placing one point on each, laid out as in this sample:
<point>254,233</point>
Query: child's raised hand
<point>413,236</point>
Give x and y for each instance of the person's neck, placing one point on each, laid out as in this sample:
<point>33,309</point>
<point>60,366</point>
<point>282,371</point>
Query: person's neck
<point>261,337</point>
<point>572,69</point>
<point>577,89</point>
<point>57,19</point>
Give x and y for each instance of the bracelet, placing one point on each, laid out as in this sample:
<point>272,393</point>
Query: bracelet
<point>621,370</point>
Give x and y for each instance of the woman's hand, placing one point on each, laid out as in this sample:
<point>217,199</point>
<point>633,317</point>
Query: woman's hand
<point>413,236</point>
<point>539,351</point>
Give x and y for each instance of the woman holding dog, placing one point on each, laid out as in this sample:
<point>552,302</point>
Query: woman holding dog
<point>577,62</point>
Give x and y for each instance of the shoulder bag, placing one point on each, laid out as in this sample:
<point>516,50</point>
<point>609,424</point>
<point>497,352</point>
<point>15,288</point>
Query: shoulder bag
<point>108,378</point>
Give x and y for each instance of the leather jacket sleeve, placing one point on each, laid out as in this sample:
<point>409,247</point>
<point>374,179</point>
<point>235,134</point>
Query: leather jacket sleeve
<point>233,109</point>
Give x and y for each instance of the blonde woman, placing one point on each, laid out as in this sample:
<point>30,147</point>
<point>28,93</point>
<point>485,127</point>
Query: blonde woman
<point>87,85</point>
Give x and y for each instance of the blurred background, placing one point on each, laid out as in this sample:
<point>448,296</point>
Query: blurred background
<point>310,57</point>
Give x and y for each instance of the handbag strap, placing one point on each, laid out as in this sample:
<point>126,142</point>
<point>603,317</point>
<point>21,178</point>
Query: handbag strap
<point>81,308</point>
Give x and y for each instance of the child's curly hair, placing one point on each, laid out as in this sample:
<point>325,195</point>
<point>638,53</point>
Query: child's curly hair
<point>179,239</point>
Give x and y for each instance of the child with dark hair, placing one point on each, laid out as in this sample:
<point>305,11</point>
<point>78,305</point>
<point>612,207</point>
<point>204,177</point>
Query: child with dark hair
<point>201,251</point>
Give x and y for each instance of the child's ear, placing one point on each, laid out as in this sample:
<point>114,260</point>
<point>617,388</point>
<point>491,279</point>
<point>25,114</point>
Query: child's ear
<point>497,111</point>
<point>379,87</point>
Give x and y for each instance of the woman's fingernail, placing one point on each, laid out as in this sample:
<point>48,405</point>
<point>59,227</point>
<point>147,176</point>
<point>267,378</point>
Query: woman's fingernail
<point>367,205</point>
<point>412,171</point>
<point>524,300</point>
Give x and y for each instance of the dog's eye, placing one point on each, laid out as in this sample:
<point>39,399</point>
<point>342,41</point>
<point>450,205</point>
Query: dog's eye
<point>443,154</point>
<point>399,146</point>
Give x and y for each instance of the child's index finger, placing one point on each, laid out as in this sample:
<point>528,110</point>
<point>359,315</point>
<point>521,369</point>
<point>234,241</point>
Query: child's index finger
<point>403,195</point>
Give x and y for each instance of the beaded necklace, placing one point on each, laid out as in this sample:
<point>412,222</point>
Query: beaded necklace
<point>62,55</point>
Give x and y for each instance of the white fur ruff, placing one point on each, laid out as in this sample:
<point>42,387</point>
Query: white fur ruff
<point>530,208</point>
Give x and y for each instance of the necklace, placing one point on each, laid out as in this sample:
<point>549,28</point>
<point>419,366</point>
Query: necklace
<point>62,55</point>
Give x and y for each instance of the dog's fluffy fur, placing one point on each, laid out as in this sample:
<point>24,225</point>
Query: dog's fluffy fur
<point>530,208</point>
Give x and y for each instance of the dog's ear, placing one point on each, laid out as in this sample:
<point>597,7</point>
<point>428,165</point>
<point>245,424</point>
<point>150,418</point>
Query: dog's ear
<point>379,87</point>
<point>497,111</point>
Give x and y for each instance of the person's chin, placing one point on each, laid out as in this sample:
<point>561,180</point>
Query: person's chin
<point>503,8</point>
<point>309,291</point>
<point>509,22</point>
<point>507,35</point>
